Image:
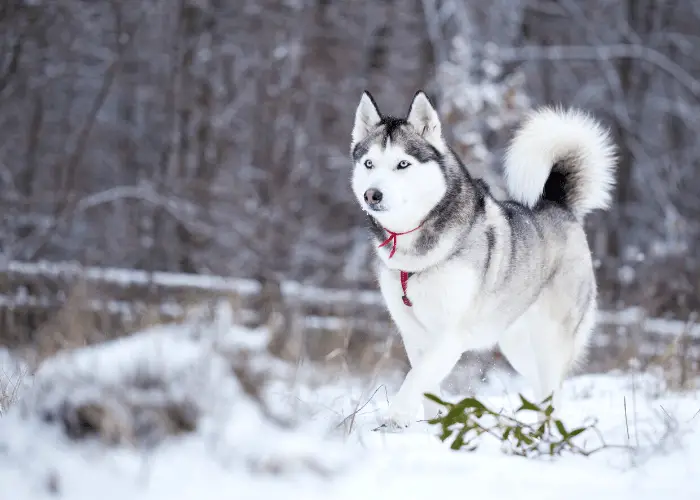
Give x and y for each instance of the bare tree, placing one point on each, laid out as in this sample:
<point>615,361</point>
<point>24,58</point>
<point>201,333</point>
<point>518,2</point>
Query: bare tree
<point>212,135</point>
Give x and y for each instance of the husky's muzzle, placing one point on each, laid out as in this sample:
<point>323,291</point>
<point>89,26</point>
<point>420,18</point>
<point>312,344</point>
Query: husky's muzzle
<point>373,199</point>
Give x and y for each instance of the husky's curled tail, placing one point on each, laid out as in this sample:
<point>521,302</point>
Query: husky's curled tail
<point>562,156</point>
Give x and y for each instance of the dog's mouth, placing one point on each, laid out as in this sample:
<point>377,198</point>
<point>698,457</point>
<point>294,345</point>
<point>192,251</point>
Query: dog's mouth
<point>375,207</point>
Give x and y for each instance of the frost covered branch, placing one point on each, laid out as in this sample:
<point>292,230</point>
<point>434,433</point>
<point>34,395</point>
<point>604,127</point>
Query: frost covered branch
<point>602,52</point>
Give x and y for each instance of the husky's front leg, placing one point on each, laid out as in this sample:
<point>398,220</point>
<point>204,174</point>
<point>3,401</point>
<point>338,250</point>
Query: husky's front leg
<point>414,336</point>
<point>432,367</point>
<point>415,340</point>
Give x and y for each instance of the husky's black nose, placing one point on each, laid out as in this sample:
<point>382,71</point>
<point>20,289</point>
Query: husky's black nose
<point>373,196</point>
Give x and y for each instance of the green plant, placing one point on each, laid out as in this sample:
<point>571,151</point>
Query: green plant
<point>467,421</point>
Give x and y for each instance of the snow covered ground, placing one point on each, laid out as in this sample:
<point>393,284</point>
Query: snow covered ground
<point>175,413</point>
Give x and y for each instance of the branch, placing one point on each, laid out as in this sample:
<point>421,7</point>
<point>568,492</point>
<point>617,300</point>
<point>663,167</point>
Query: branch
<point>601,53</point>
<point>181,210</point>
<point>432,22</point>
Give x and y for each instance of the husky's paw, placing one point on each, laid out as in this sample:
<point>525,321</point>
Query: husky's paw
<point>391,426</point>
<point>395,419</point>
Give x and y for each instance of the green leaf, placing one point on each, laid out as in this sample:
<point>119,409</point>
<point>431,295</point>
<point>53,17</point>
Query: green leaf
<point>506,433</point>
<point>434,398</point>
<point>454,416</point>
<point>527,405</point>
<point>576,432</point>
<point>459,439</point>
<point>461,426</point>
<point>446,433</point>
<point>540,430</point>
<point>518,434</point>
<point>470,403</point>
<point>561,428</point>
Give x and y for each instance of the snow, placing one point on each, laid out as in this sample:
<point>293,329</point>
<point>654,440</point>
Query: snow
<point>304,441</point>
<point>663,327</point>
<point>134,277</point>
<point>211,283</point>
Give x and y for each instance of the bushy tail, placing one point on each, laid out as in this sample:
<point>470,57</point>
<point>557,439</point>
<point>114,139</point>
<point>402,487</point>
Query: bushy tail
<point>564,156</point>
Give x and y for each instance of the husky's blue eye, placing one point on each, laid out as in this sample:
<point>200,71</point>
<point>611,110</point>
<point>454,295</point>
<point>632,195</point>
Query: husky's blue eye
<point>369,164</point>
<point>402,164</point>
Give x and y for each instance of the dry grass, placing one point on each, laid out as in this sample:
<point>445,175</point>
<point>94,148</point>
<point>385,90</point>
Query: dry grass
<point>7,398</point>
<point>680,368</point>
<point>10,383</point>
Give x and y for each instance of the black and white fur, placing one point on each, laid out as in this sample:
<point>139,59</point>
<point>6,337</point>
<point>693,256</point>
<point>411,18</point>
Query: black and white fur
<point>515,273</point>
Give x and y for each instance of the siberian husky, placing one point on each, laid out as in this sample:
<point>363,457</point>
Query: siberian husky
<point>461,271</point>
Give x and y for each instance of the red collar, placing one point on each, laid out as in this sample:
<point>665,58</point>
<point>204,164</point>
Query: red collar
<point>393,237</point>
<point>404,285</point>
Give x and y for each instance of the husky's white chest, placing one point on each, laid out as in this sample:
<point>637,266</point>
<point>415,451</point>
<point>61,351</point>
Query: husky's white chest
<point>442,297</point>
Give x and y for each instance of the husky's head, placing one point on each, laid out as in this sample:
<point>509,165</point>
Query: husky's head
<point>398,174</point>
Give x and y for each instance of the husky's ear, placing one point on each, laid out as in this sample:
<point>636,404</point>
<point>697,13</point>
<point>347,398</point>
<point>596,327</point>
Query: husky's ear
<point>367,117</point>
<point>425,120</point>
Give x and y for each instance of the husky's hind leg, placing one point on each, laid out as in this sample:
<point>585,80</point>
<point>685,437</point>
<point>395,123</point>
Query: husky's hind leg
<point>541,350</point>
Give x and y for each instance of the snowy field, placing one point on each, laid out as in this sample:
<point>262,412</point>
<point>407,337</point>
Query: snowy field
<point>201,411</point>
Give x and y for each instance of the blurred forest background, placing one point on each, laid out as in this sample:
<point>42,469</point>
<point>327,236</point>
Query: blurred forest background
<point>212,136</point>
